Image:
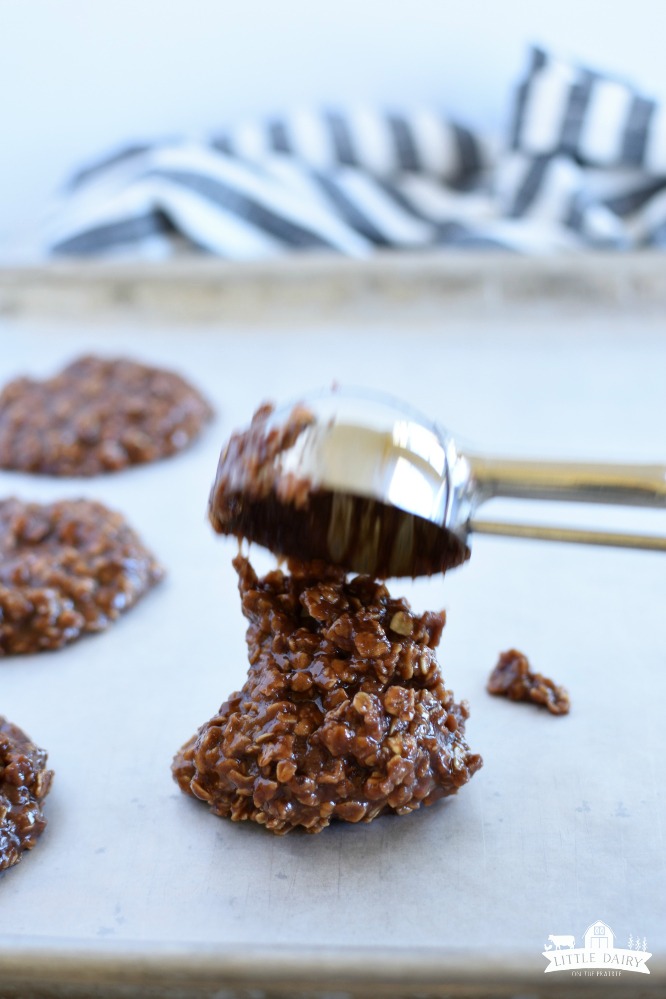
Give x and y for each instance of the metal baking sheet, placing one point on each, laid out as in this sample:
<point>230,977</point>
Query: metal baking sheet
<point>135,887</point>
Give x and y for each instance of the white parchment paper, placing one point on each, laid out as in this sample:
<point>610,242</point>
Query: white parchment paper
<point>564,823</point>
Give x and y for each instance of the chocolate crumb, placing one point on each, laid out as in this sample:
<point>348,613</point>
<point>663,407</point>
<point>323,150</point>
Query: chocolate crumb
<point>24,783</point>
<point>513,678</point>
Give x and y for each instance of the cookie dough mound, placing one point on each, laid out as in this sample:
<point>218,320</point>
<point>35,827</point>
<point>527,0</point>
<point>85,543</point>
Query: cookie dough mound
<point>344,714</point>
<point>65,569</point>
<point>24,783</point>
<point>97,416</point>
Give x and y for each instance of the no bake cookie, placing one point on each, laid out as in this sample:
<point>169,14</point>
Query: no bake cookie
<point>97,415</point>
<point>24,783</point>
<point>66,568</point>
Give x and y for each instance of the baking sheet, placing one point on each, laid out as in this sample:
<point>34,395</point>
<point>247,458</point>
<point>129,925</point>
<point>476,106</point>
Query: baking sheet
<point>563,825</point>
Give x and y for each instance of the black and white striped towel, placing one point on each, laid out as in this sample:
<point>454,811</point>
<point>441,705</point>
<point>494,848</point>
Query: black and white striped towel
<point>584,165</point>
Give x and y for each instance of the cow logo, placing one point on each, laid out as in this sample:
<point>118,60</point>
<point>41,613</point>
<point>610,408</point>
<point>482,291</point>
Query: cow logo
<point>598,955</point>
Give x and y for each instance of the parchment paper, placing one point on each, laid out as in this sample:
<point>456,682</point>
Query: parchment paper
<point>562,826</point>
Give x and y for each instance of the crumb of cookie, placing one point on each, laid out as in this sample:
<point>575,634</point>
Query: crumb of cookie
<point>24,783</point>
<point>97,415</point>
<point>66,568</point>
<point>344,714</point>
<point>513,678</point>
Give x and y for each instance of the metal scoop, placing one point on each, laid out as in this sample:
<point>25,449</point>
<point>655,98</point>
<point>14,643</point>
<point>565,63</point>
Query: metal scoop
<point>390,493</point>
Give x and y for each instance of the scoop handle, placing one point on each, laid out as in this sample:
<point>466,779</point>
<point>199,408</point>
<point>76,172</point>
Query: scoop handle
<point>576,482</point>
<point>569,535</point>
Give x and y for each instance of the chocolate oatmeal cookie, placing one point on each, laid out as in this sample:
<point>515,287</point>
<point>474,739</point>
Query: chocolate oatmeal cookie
<point>65,569</point>
<point>97,416</point>
<point>24,783</point>
<point>344,714</point>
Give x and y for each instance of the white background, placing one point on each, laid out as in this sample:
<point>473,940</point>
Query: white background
<point>79,77</point>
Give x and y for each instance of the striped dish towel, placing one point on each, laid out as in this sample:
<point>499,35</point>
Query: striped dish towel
<point>584,164</point>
